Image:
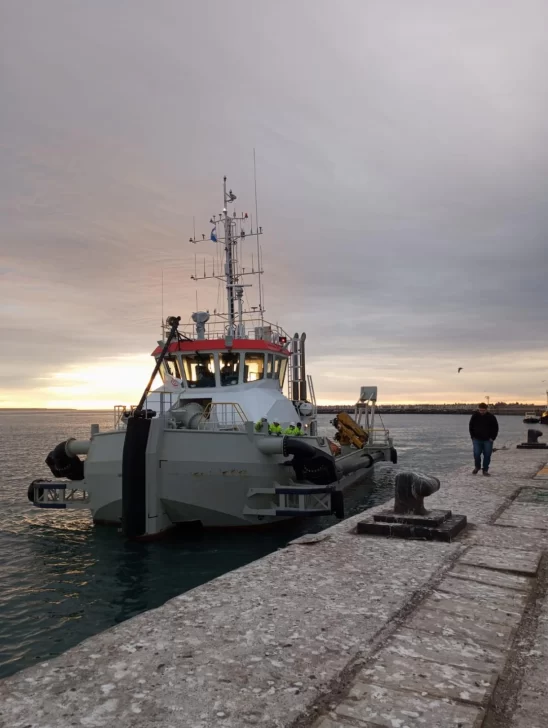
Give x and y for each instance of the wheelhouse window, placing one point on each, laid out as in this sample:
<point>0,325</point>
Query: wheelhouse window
<point>280,367</point>
<point>230,368</point>
<point>172,367</point>
<point>269,366</point>
<point>254,367</point>
<point>199,370</point>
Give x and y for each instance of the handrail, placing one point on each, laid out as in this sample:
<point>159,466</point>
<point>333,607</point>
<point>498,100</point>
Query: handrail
<point>217,329</point>
<point>222,416</point>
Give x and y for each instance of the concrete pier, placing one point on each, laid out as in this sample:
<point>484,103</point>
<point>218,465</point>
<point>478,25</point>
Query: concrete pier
<point>337,630</point>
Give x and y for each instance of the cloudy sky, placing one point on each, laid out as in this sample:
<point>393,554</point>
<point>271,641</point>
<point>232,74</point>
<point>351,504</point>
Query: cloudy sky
<point>402,163</point>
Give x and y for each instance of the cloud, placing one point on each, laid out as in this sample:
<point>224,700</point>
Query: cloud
<point>402,184</point>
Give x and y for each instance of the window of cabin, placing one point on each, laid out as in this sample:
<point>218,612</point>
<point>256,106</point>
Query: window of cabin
<point>269,366</point>
<point>280,366</point>
<point>283,368</point>
<point>253,367</point>
<point>173,367</point>
<point>199,370</point>
<point>230,368</point>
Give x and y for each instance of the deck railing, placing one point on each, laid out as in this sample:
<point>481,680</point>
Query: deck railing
<point>222,417</point>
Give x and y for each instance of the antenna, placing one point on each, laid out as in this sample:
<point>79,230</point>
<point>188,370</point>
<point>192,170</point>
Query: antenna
<point>258,245</point>
<point>162,287</point>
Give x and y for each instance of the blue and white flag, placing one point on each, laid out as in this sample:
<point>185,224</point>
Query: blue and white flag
<point>214,234</point>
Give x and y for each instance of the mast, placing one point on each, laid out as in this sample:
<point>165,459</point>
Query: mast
<point>261,307</point>
<point>229,255</point>
<point>235,231</point>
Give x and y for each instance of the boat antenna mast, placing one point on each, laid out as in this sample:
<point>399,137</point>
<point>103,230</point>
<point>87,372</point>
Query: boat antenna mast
<point>234,227</point>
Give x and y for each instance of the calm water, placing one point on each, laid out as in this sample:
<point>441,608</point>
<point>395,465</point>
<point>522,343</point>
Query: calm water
<point>62,579</point>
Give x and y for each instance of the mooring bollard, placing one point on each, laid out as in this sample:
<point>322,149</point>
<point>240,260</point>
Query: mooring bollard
<point>411,490</point>
<point>410,519</point>
<point>532,441</point>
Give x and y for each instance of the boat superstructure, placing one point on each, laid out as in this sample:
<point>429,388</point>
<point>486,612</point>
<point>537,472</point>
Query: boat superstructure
<point>218,441</point>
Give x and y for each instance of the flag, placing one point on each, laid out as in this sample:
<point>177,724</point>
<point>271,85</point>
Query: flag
<point>214,234</point>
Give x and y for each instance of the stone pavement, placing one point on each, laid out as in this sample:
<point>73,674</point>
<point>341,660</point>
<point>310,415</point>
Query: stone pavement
<point>338,630</point>
<point>441,666</point>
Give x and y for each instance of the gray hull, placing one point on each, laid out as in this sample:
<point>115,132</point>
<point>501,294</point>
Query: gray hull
<point>221,479</point>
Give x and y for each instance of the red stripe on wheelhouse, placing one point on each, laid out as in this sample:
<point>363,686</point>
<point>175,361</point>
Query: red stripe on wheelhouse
<point>220,345</point>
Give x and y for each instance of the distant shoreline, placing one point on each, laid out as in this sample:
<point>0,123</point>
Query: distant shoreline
<point>46,410</point>
<point>515,410</point>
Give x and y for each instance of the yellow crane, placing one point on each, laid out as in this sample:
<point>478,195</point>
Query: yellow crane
<point>349,432</point>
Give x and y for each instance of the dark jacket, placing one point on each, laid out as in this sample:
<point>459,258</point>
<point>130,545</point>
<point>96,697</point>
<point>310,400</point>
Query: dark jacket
<point>483,427</point>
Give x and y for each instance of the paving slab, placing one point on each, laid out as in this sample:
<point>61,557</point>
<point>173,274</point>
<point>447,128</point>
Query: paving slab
<point>523,520</point>
<point>505,537</point>
<point>326,722</point>
<point>445,650</point>
<point>467,630</point>
<point>534,496</point>
<point>422,676</point>
<point>472,609</point>
<point>521,562</point>
<point>405,709</point>
<point>481,592</point>
<point>488,576</point>
<point>528,507</point>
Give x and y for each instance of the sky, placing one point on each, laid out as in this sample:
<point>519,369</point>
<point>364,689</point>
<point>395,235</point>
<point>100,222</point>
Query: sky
<point>402,174</point>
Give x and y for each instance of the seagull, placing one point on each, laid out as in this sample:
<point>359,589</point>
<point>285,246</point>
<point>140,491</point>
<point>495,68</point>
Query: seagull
<point>459,370</point>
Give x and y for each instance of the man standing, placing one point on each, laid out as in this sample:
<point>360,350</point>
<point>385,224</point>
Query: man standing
<point>484,429</point>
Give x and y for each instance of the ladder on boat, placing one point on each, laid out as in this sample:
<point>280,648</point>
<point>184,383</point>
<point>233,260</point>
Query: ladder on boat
<point>300,384</point>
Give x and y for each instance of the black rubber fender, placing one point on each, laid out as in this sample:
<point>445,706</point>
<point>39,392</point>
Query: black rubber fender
<point>337,504</point>
<point>393,455</point>
<point>309,462</point>
<point>134,506</point>
<point>63,465</point>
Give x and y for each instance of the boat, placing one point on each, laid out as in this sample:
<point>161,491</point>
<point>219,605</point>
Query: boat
<point>544,415</point>
<point>218,441</point>
<point>531,418</point>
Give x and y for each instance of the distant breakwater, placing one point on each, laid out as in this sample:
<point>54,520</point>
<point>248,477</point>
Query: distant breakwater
<point>518,410</point>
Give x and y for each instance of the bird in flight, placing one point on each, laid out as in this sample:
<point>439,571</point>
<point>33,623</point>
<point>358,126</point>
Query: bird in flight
<point>459,370</point>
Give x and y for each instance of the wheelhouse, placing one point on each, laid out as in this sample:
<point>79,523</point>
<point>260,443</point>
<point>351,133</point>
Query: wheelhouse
<point>208,363</point>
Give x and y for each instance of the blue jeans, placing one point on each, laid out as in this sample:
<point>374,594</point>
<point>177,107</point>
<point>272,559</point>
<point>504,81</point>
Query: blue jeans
<point>485,448</point>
